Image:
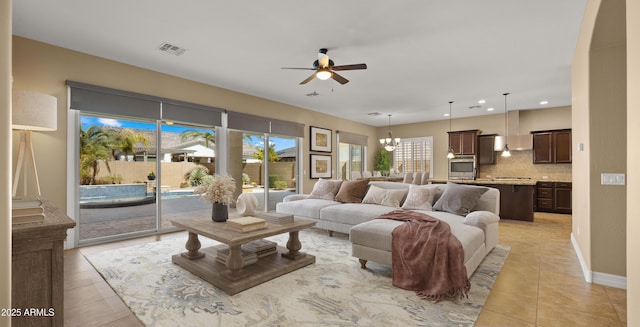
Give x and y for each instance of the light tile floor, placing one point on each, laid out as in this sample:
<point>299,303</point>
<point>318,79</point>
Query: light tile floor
<point>541,283</point>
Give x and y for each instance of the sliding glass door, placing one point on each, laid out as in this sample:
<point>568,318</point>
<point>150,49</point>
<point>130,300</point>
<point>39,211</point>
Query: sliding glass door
<point>135,175</point>
<point>282,168</point>
<point>117,177</point>
<point>187,158</point>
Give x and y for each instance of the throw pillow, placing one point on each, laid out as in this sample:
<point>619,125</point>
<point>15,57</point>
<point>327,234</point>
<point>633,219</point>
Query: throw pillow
<point>385,197</point>
<point>352,191</point>
<point>419,198</point>
<point>325,189</point>
<point>459,199</point>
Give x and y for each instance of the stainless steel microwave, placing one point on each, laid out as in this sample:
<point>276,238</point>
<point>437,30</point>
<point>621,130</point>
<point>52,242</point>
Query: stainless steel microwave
<point>462,167</point>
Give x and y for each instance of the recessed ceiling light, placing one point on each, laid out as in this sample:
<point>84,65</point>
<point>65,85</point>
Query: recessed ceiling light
<point>543,102</point>
<point>490,109</point>
<point>446,115</point>
<point>482,101</point>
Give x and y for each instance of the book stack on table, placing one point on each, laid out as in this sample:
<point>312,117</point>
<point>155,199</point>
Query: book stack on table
<point>249,257</point>
<point>261,247</point>
<point>246,224</point>
<point>27,211</point>
<point>276,218</point>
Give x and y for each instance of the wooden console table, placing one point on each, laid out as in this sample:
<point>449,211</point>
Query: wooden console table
<point>37,267</point>
<point>235,277</point>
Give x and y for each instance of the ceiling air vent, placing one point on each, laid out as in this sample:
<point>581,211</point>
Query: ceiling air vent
<point>172,49</point>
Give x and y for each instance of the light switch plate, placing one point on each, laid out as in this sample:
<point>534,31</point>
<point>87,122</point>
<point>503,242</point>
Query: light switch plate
<point>612,179</point>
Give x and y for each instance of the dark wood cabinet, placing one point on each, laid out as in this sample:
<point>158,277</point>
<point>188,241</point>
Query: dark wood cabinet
<point>516,201</point>
<point>464,142</point>
<point>486,153</point>
<point>552,146</point>
<point>562,146</point>
<point>542,147</point>
<point>562,197</point>
<point>553,197</point>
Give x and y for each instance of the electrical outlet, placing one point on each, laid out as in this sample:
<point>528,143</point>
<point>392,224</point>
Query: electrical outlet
<point>612,179</point>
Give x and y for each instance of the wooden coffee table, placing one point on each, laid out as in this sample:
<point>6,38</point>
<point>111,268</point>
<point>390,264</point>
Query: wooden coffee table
<point>234,277</point>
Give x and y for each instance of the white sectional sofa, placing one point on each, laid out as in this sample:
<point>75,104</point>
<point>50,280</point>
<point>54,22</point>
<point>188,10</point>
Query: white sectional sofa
<point>475,227</point>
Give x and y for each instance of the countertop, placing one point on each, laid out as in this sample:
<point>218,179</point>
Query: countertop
<point>497,181</point>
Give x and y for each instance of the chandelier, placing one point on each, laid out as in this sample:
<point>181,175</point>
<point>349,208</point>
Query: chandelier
<point>390,143</point>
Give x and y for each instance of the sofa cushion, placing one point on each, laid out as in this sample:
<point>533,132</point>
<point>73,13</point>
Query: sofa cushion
<point>353,213</point>
<point>352,191</point>
<point>481,219</point>
<point>385,197</point>
<point>419,197</point>
<point>325,189</point>
<point>309,208</point>
<point>459,199</point>
<point>377,233</point>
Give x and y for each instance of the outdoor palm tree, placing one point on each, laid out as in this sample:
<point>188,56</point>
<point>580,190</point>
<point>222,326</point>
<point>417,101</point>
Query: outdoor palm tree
<point>273,156</point>
<point>193,134</point>
<point>125,140</point>
<point>94,146</point>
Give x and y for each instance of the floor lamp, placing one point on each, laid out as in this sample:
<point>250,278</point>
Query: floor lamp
<point>31,111</point>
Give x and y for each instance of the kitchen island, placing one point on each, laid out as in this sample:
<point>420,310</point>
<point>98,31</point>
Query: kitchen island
<point>517,195</point>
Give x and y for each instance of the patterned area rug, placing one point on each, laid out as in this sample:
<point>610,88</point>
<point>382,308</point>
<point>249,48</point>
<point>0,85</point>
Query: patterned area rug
<point>332,292</point>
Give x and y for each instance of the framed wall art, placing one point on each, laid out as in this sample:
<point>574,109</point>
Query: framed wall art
<point>320,166</point>
<point>320,139</point>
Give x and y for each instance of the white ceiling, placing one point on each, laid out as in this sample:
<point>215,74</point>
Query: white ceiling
<point>420,54</point>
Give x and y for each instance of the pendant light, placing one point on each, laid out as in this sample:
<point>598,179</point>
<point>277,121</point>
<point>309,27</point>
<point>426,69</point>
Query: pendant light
<point>450,154</point>
<point>390,143</point>
<point>505,150</point>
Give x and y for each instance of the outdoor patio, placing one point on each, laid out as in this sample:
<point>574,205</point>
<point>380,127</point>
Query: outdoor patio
<point>101,222</point>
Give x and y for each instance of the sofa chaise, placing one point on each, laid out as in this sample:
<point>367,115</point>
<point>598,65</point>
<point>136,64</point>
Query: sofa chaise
<point>471,211</point>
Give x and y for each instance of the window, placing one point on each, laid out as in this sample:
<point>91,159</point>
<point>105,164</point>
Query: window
<point>351,151</point>
<point>414,155</point>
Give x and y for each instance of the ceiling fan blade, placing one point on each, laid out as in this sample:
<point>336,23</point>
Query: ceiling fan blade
<point>350,67</point>
<point>298,68</point>
<point>339,78</point>
<point>308,79</point>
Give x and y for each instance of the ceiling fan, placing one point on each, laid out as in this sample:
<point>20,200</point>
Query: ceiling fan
<point>325,68</point>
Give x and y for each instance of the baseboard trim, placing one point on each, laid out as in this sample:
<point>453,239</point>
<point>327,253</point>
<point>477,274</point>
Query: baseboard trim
<point>594,276</point>
<point>583,265</point>
<point>609,280</point>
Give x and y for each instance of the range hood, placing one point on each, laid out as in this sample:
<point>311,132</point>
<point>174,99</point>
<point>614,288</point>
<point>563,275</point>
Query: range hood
<point>515,140</point>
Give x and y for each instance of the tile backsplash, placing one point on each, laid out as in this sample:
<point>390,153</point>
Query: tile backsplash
<point>520,164</point>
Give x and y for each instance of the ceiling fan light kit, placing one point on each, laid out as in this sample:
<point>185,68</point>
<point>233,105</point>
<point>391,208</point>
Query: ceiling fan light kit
<point>325,69</point>
<point>323,74</point>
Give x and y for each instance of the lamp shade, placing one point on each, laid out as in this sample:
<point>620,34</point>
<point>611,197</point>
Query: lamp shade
<point>34,111</point>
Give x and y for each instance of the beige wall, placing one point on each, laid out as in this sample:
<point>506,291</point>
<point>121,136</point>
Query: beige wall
<point>608,155</point>
<point>530,120</point>
<point>599,93</point>
<point>45,68</point>
<point>581,227</point>
<point>5,158</point>
<point>633,160</point>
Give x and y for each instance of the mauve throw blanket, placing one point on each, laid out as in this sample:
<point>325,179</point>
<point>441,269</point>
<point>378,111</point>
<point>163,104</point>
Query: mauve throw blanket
<point>426,257</point>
